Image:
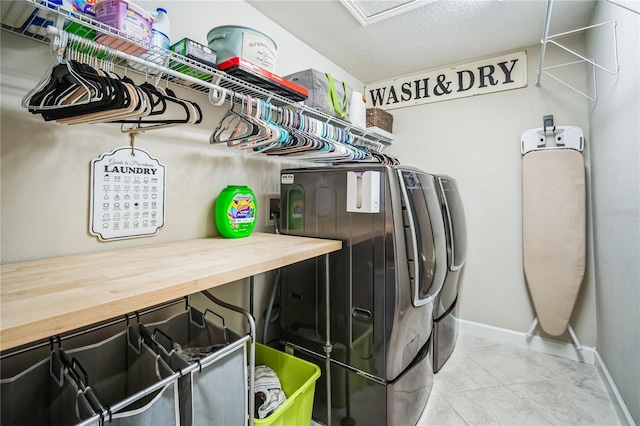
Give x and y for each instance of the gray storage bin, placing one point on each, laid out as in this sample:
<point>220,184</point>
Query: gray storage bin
<point>317,83</point>
<point>216,392</point>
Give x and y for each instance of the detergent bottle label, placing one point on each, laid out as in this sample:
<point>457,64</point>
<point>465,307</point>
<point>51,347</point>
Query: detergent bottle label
<point>242,209</point>
<point>84,6</point>
<point>296,209</point>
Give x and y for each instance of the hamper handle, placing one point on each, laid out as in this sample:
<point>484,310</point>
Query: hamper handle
<point>153,337</point>
<point>56,368</point>
<point>75,363</point>
<point>134,337</point>
<point>198,318</point>
<point>218,315</point>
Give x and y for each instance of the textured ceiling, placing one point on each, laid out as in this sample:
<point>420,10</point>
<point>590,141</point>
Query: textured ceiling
<point>370,8</point>
<point>442,33</point>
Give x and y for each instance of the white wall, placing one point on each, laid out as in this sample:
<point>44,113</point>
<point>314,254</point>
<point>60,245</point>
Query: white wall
<point>45,166</point>
<point>615,143</point>
<point>476,140</point>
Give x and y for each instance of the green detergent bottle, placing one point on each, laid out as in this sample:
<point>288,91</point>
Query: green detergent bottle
<point>296,207</point>
<point>236,211</point>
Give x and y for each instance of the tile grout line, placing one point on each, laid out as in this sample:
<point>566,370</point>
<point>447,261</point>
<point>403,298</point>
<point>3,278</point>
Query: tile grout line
<point>481,366</point>
<point>468,353</point>
<point>494,387</point>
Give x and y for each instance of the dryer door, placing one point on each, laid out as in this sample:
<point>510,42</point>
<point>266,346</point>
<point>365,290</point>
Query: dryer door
<point>424,229</point>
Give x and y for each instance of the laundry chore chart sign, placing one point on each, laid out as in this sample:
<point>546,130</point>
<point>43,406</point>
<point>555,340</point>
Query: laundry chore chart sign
<point>127,194</point>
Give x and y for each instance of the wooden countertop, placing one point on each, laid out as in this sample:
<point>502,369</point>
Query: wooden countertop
<point>42,298</point>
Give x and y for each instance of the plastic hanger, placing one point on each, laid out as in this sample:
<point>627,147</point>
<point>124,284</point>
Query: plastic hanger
<point>232,123</point>
<point>59,76</point>
<point>112,95</point>
<point>125,101</point>
<point>262,133</point>
<point>187,111</point>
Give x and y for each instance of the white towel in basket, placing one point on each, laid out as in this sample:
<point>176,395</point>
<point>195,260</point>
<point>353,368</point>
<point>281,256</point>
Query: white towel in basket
<point>267,389</point>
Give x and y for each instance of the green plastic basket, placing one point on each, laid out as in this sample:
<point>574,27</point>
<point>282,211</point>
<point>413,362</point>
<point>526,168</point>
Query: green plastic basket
<point>298,380</point>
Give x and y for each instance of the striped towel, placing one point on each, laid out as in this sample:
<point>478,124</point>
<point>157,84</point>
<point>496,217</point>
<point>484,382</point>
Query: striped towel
<point>268,391</point>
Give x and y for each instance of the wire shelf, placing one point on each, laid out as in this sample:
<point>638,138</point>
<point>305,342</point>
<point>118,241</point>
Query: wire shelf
<point>45,21</point>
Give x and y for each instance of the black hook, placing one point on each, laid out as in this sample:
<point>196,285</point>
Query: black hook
<point>547,121</point>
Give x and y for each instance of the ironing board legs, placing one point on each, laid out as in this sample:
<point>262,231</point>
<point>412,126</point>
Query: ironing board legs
<point>574,337</point>
<point>576,342</point>
<point>534,324</point>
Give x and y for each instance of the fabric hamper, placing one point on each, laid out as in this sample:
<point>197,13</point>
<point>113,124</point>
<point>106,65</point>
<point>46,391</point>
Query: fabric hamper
<point>43,394</point>
<point>216,392</point>
<point>121,366</point>
<point>335,103</point>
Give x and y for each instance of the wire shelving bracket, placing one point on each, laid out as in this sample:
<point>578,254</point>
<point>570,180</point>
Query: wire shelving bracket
<point>546,39</point>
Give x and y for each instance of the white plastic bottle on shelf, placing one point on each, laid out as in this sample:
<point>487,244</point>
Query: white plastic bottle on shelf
<point>161,30</point>
<point>160,41</point>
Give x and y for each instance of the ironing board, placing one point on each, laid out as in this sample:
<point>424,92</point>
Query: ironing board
<point>553,225</point>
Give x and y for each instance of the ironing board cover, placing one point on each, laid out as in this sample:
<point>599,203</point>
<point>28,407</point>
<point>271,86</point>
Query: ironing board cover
<point>554,233</point>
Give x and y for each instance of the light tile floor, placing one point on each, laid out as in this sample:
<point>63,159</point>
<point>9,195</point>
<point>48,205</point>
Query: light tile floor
<point>490,383</point>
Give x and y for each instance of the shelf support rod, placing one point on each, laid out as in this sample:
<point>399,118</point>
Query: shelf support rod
<point>545,37</point>
<point>593,77</point>
<point>592,61</point>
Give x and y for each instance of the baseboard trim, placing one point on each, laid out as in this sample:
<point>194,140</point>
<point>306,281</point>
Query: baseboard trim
<point>621,408</point>
<point>536,343</point>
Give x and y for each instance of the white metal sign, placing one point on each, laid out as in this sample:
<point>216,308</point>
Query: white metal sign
<point>127,194</point>
<point>504,72</point>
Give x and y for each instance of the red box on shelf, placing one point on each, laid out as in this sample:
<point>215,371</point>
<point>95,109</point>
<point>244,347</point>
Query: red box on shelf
<point>260,77</point>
